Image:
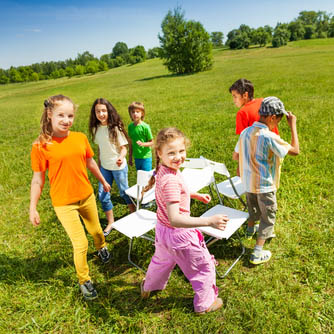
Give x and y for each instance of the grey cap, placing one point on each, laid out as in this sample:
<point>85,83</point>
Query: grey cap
<point>272,105</point>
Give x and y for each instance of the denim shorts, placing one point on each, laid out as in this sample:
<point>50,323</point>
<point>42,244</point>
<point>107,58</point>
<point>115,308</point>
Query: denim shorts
<point>143,164</point>
<point>121,179</point>
<point>263,207</point>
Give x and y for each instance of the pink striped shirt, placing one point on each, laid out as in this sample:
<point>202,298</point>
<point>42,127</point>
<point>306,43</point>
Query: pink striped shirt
<point>170,187</point>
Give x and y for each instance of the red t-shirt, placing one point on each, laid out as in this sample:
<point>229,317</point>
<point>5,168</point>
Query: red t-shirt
<point>248,114</point>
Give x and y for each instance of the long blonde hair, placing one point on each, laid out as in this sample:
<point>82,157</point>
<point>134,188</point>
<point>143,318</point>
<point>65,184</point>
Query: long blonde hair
<point>50,104</point>
<point>163,137</point>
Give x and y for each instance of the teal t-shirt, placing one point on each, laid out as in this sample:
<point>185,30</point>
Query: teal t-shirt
<point>143,133</point>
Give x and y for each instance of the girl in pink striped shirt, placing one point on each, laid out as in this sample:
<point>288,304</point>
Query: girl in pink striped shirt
<point>177,241</point>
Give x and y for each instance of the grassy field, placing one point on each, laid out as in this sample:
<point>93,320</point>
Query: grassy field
<point>293,293</point>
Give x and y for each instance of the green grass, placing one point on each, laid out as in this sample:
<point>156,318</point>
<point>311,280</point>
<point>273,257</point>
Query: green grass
<point>293,293</point>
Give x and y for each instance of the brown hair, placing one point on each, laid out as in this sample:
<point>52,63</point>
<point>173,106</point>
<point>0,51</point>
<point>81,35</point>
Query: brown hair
<point>114,120</point>
<point>137,105</point>
<point>50,104</point>
<point>163,137</point>
<point>242,86</point>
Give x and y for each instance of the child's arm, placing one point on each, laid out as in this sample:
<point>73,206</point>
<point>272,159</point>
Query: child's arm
<point>292,121</point>
<point>121,156</point>
<point>92,166</point>
<point>37,184</point>
<point>205,198</point>
<point>146,144</point>
<point>178,220</point>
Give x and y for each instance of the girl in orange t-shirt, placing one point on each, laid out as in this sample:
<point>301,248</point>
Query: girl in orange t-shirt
<point>67,155</point>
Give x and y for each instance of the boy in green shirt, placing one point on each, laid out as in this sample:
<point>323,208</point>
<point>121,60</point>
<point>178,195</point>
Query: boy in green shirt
<point>141,138</point>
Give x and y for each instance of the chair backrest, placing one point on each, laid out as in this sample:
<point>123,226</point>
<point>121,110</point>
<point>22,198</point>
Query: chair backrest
<point>143,177</point>
<point>196,179</point>
<point>217,167</point>
<point>194,163</point>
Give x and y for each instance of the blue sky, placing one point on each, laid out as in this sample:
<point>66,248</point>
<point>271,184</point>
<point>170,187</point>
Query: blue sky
<point>35,31</point>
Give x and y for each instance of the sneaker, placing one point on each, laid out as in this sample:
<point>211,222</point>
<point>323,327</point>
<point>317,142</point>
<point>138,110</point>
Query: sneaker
<point>88,291</point>
<point>262,257</point>
<point>144,294</point>
<point>250,232</point>
<point>218,303</point>
<point>104,255</point>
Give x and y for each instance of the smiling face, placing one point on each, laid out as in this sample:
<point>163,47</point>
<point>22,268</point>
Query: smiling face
<point>173,153</point>
<point>101,113</point>
<point>62,118</point>
<point>238,99</point>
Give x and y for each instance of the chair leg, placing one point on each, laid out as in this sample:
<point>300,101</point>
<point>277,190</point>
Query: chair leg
<point>235,262</point>
<point>129,257</point>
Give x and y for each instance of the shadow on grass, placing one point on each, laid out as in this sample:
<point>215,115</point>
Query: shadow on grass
<point>166,76</point>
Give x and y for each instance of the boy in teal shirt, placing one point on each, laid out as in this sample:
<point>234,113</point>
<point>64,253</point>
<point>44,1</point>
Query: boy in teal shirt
<point>141,138</point>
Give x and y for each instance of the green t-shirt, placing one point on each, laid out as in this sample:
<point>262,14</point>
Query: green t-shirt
<point>143,133</point>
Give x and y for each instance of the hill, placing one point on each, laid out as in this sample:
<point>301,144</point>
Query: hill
<point>293,293</point>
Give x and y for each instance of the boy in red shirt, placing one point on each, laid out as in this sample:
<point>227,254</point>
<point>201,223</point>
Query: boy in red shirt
<point>243,97</point>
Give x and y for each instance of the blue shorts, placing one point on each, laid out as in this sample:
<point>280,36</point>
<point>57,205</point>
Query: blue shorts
<point>143,164</point>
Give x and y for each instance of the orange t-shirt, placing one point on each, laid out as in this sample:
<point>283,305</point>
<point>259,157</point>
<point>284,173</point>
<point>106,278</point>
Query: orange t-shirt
<point>248,114</point>
<point>65,158</point>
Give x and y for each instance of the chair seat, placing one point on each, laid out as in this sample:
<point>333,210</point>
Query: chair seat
<point>149,196</point>
<point>136,224</point>
<point>226,189</point>
<point>236,219</point>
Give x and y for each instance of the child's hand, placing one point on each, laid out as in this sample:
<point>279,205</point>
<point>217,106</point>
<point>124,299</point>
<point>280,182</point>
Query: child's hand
<point>204,198</point>
<point>140,143</point>
<point>218,221</point>
<point>119,161</point>
<point>291,118</point>
<point>34,217</point>
<point>106,187</point>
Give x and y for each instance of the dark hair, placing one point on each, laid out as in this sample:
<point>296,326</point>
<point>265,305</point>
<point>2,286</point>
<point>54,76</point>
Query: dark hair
<point>242,86</point>
<point>114,120</point>
<point>137,105</point>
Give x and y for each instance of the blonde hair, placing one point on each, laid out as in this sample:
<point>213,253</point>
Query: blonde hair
<point>137,105</point>
<point>164,136</point>
<point>50,104</point>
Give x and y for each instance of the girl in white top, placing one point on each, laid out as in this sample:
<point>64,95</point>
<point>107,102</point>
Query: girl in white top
<point>107,130</point>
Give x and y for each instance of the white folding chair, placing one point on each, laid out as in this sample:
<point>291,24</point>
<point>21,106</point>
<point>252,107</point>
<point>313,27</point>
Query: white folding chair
<point>140,222</point>
<point>231,188</point>
<point>135,195</point>
<point>236,219</point>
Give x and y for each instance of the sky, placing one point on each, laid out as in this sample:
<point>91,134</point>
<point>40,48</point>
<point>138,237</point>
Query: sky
<point>35,31</point>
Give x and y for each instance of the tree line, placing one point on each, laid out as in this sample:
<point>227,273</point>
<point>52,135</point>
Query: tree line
<point>84,63</point>
<point>308,25</point>
<point>185,47</point>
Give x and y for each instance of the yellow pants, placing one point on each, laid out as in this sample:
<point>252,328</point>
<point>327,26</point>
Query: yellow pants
<point>69,216</point>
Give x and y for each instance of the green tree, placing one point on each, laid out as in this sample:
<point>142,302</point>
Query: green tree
<point>261,36</point>
<point>186,46</point>
<point>120,49</point>
<point>236,39</point>
<point>331,28</point>
<point>79,69</point>
<point>297,30</point>
<point>154,53</point>
<point>4,79</point>
<point>281,36</point>
<point>70,72</point>
<point>217,39</point>
<point>309,32</point>
<point>103,66</point>
<point>92,67</point>
<point>137,54</point>
<point>84,58</point>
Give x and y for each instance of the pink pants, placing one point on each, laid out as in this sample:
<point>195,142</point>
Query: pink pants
<point>186,248</point>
